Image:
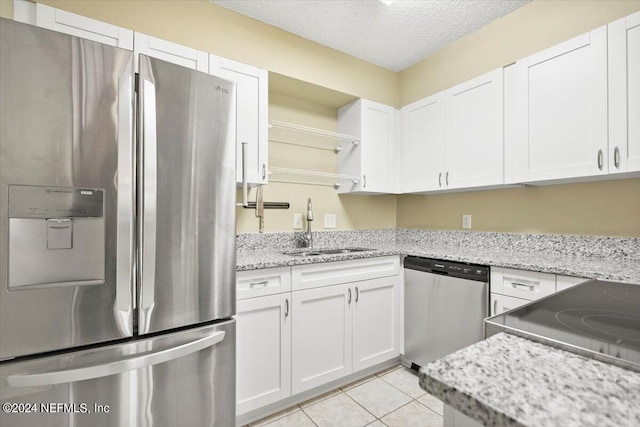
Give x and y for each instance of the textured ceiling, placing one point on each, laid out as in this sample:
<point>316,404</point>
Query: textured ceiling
<point>394,36</point>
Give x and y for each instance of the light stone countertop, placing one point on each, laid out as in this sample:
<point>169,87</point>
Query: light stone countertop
<point>510,381</point>
<point>623,270</point>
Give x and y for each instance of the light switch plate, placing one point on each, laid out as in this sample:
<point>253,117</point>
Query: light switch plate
<point>466,221</point>
<point>329,220</point>
<point>297,221</point>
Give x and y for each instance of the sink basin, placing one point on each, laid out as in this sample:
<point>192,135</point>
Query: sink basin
<point>305,253</point>
<point>326,252</point>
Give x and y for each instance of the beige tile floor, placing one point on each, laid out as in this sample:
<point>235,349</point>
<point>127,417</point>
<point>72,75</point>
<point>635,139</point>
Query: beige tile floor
<point>390,398</point>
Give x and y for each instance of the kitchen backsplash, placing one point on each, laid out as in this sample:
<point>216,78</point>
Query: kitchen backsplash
<point>623,248</point>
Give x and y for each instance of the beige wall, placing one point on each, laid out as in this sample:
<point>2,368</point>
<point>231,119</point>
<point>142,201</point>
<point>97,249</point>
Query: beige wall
<point>608,208</point>
<point>533,27</point>
<point>352,212</point>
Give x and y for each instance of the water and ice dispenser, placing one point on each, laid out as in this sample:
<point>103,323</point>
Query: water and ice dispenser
<point>56,236</point>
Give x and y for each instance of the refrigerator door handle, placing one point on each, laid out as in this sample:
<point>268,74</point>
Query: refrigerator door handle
<point>148,208</point>
<point>123,312</point>
<point>127,363</point>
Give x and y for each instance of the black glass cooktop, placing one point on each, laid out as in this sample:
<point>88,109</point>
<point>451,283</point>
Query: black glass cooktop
<point>597,317</point>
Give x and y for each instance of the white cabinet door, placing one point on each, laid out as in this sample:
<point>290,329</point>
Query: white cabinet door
<point>423,144</point>
<point>562,105</point>
<point>76,25</point>
<point>263,351</point>
<point>373,159</point>
<point>378,135</point>
<point>376,321</point>
<point>252,105</point>
<point>624,94</point>
<point>502,303</point>
<point>321,350</point>
<point>170,52</point>
<point>566,282</point>
<point>474,132</point>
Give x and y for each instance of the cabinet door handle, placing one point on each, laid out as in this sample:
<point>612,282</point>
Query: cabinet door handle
<point>349,302</point>
<point>364,181</point>
<point>600,160</point>
<point>286,307</point>
<point>440,179</point>
<point>495,307</point>
<point>616,157</point>
<point>264,171</point>
<point>357,294</point>
<point>262,283</point>
<point>446,178</point>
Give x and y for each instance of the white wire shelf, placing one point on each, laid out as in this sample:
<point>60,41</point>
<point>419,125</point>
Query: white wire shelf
<point>310,177</point>
<point>309,137</point>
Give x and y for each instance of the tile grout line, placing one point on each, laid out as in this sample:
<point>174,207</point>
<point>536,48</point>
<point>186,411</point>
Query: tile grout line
<point>358,403</point>
<point>309,416</point>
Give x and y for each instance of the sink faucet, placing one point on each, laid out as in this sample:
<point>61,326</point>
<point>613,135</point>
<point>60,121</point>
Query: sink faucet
<point>306,240</point>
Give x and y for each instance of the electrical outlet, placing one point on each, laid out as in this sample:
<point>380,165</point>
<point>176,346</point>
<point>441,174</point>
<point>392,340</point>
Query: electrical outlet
<point>297,221</point>
<point>329,220</point>
<point>466,221</point>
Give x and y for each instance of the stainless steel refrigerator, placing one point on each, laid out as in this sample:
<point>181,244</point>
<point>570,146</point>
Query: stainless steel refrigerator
<point>117,237</point>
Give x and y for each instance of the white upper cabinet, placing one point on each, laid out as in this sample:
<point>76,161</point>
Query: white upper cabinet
<point>170,52</point>
<point>423,144</point>
<point>252,109</point>
<point>474,132</point>
<point>562,109</point>
<point>373,159</point>
<point>69,23</point>
<point>624,94</point>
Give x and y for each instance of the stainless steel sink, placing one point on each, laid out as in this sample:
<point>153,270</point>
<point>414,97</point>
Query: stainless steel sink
<point>305,253</point>
<point>326,251</point>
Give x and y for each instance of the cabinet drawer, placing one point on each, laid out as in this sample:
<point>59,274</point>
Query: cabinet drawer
<point>565,282</point>
<point>334,273</point>
<point>528,285</point>
<point>268,281</point>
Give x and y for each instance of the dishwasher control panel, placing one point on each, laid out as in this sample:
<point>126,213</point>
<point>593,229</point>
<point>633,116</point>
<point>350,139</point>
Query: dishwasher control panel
<point>448,268</point>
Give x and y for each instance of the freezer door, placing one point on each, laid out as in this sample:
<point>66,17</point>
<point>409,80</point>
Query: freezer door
<point>66,132</point>
<point>186,197</point>
<point>182,379</point>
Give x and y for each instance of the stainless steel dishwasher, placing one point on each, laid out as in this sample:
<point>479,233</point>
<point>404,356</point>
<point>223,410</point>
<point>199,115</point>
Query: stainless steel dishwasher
<point>445,305</point>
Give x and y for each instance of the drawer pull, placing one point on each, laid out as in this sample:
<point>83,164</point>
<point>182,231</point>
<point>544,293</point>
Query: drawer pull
<point>523,285</point>
<point>263,283</point>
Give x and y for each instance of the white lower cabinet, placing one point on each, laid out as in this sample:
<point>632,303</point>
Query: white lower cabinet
<point>341,329</point>
<point>502,303</point>
<point>321,336</point>
<point>376,321</point>
<point>566,282</point>
<point>263,351</point>
<point>513,288</point>
<point>342,317</point>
